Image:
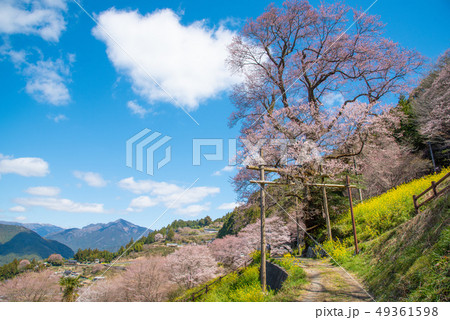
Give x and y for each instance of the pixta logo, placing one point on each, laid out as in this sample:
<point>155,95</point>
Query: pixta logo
<point>147,141</point>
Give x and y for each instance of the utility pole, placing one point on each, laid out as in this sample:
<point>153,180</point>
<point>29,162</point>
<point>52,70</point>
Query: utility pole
<point>263,226</point>
<point>262,182</point>
<point>359,189</point>
<point>349,190</point>
<point>325,208</point>
<point>432,157</point>
<point>297,220</point>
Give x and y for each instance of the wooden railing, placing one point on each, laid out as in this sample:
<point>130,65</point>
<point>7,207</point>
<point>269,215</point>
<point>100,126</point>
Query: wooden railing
<point>436,192</point>
<point>197,294</point>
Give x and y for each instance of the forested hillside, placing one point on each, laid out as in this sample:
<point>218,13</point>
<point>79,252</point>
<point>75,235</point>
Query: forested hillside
<point>17,242</point>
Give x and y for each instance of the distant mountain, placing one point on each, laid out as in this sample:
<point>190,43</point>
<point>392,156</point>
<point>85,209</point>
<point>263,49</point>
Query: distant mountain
<point>17,242</point>
<point>41,229</point>
<point>110,236</point>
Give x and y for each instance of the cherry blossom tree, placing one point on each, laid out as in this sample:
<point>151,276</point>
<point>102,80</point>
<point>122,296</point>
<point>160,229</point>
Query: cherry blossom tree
<point>315,82</point>
<point>191,265</point>
<point>145,280</point>
<point>32,287</point>
<point>385,164</point>
<point>231,251</point>
<point>431,104</point>
<point>159,237</point>
<point>55,259</point>
<point>23,264</point>
<point>277,235</point>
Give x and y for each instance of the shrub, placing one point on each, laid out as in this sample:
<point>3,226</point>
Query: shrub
<point>338,250</point>
<point>23,264</point>
<point>97,268</point>
<point>55,259</point>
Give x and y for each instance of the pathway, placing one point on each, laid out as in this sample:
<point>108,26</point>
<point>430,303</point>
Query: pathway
<point>328,283</point>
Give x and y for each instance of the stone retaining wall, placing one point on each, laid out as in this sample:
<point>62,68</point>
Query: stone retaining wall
<point>276,275</point>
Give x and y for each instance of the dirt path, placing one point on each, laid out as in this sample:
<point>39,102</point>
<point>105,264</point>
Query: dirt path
<point>328,283</point>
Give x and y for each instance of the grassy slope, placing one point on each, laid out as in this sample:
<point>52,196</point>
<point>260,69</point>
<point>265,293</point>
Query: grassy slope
<point>410,262</point>
<point>383,213</point>
<point>402,258</point>
<point>244,286</point>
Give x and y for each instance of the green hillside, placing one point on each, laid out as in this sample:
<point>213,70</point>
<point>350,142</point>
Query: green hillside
<point>382,213</point>
<point>17,242</point>
<point>404,257</point>
<point>7,232</point>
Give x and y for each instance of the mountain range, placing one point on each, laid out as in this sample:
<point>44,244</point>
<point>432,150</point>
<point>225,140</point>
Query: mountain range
<point>18,242</point>
<point>110,236</point>
<point>41,229</point>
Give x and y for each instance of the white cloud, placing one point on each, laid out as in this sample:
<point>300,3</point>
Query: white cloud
<point>57,118</point>
<point>140,203</point>
<point>137,109</point>
<point>229,205</point>
<point>27,167</point>
<point>57,204</point>
<point>194,209</point>
<point>224,169</point>
<point>46,81</point>
<point>18,209</point>
<point>138,187</point>
<point>182,197</point>
<point>170,195</point>
<point>21,218</point>
<point>43,191</point>
<point>38,17</point>
<point>188,61</point>
<point>332,99</point>
<point>93,179</point>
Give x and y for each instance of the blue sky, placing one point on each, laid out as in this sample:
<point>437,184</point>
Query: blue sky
<point>71,97</point>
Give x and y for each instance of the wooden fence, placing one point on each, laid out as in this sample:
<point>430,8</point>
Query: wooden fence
<point>436,192</point>
<point>197,294</point>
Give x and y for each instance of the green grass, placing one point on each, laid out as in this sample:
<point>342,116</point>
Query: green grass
<point>295,282</point>
<point>385,212</point>
<point>245,286</point>
<point>409,262</point>
<point>238,287</point>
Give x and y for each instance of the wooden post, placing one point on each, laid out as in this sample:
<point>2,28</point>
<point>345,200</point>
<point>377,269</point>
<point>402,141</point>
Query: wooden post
<point>349,190</point>
<point>297,220</point>
<point>416,208</point>
<point>325,208</point>
<point>433,185</point>
<point>263,228</point>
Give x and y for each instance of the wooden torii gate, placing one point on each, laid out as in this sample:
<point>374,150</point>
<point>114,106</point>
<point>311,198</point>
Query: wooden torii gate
<point>263,182</point>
